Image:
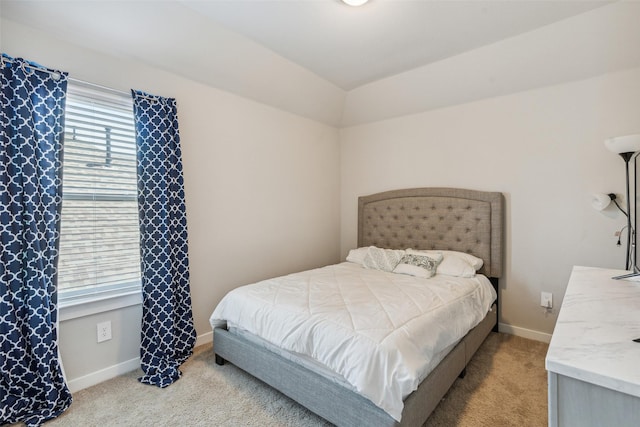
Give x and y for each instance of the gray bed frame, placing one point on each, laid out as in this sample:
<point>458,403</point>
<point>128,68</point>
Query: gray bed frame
<point>419,218</point>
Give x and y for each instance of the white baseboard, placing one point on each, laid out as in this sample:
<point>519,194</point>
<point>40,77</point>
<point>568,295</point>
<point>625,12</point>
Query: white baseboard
<point>105,374</point>
<point>204,338</point>
<point>524,333</point>
<point>94,378</point>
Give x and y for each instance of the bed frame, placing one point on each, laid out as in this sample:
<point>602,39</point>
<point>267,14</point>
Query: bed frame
<point>420,218</point>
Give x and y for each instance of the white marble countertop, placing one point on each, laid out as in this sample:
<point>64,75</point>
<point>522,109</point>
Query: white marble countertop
<point>598,320</point>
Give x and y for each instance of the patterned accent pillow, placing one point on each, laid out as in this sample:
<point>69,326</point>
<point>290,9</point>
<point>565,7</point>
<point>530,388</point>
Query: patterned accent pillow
<point>382,259</point>
<point>418,265</point>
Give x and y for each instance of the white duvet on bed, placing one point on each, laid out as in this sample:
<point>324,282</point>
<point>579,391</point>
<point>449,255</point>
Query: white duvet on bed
<point>382,332</point>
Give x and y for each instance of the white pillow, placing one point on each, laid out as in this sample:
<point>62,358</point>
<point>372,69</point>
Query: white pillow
<point>357,255</point>
<point>454,263</point>
<point>382,259</point>
<point>419,265</point>
<point>454,266</point>
<point>474,261</point>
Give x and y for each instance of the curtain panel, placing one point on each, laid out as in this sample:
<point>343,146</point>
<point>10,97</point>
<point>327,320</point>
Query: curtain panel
<point>168,333</point>
<point>32,101</point>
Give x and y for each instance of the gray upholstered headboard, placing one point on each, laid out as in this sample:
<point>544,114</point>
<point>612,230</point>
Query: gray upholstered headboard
<point>436,218</point>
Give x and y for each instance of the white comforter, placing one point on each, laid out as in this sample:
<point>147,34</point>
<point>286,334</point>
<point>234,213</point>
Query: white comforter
<point>380,331</point>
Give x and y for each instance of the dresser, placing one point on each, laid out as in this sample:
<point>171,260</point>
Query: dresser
<point>593,363</point>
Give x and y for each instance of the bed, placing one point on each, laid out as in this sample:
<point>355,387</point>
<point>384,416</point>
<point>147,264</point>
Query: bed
<point>442,219</point>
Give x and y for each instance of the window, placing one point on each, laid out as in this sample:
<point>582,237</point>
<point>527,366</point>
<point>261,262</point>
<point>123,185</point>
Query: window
<point>99,232</point>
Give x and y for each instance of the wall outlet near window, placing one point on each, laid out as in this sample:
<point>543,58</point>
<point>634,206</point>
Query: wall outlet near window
<point>104,331</point>
<point>546,300</point>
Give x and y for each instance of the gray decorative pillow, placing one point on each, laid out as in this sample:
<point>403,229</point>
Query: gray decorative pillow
<point>382,259</point>
<point>418,265</point>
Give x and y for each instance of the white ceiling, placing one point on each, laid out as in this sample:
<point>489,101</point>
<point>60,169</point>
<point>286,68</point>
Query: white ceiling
<point>352,46</point>
<point>316,58</point>
<point>347,46</point>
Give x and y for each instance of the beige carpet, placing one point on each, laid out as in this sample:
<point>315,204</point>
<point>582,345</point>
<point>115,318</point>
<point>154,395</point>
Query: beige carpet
<point>505,385</point>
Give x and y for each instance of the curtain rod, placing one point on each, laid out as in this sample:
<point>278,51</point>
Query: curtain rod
<point>34,67</point>
<point>56,76</point>
<point>117,91</point>
<point>95,85</point>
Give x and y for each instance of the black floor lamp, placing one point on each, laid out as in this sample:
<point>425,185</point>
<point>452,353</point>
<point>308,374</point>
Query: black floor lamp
<point>628,147</point>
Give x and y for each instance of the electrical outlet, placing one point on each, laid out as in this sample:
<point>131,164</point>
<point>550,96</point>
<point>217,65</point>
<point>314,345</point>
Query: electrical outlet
<point>104,331</point>
<point>546,300</point>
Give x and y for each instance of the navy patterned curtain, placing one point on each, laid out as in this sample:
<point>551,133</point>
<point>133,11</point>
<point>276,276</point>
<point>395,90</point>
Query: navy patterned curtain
<point>168,334</point>
<point>32,386</point>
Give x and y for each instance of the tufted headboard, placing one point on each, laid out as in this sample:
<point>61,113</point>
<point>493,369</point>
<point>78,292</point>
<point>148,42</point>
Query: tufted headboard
<point>436,218</point>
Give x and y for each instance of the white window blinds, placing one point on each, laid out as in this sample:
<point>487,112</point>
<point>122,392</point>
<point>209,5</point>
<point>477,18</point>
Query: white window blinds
<point>100,236</point>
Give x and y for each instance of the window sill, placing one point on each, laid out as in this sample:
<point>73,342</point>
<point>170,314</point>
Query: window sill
<point>90,306</point>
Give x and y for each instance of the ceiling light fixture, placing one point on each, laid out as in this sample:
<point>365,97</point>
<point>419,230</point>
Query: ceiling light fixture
<point>355,2</point>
